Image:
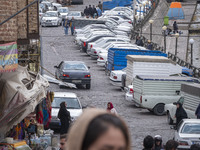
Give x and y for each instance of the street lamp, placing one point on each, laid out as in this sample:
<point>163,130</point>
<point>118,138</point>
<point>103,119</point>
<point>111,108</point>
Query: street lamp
<point>142,17</point>
<point>164,28</point>
<point>191,41</point>
<point>140,5</point>
<point>144,4</point>
<point>176,35</point>
<point>151,22</point>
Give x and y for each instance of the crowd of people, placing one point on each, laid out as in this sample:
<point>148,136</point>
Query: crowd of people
<point>93,12</point>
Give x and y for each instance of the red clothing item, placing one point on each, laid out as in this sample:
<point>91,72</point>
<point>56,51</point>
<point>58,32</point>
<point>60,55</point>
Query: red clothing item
<point>110,107</point>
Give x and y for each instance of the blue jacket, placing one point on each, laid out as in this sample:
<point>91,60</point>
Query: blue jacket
<point>66,23</point>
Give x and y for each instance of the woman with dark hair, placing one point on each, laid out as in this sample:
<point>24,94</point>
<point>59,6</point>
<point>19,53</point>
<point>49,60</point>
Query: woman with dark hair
<point>180,113</point>
<point>65,119</point>
<point>97,129</point>
<point>111,108</point>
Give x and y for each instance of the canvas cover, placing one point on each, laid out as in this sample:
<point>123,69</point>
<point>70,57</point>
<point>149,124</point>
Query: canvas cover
<point>175,11</point>
<point>20,92</point>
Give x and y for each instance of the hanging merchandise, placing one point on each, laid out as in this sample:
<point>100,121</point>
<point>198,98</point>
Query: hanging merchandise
<point>39,113</point>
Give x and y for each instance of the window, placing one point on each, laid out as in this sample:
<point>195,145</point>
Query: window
<point>191,128</point>
<point>71,102</point>
<point>74,66</point>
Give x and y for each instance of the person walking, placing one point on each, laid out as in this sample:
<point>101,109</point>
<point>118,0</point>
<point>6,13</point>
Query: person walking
<point>72,25</point>
<point>197,112</point>
<point>175,27</point>
<point>86,12</point>
<point>90,10</point>
<point>99,12</point>
<point>65,118</point>
<point>66,24</point>
<point>111,108</point>
<point>100,5</point>
<point>180,113</point>
<point>94,11</point>
<point>158,143</point>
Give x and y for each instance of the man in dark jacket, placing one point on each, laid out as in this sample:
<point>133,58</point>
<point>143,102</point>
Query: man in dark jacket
<point>139,42</point>
<point>175,27</point>
<point>86,11</point>
<point>180,113</point>
<point>197,112</point>
<point>90,10</point>
<point>65,118</point>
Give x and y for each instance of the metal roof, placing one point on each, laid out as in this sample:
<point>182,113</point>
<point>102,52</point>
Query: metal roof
<point>65,94</point>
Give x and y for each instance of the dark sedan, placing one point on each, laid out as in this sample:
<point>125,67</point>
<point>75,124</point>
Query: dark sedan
<point>73,72</point>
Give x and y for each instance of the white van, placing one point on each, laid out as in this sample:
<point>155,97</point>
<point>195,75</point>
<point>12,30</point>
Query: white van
<point>190,99</point>
<point>153,92</point>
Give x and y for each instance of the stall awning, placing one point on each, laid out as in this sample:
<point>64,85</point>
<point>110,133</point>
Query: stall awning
<point>20,92</point>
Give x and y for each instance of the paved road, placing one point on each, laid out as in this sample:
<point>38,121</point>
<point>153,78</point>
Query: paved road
<point>57,47</point>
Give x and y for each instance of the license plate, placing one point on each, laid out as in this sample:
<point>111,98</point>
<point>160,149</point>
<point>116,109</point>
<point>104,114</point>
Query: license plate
<point>76,81</point>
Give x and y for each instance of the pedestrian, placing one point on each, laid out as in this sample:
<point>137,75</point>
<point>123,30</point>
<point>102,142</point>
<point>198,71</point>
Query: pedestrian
<point>148,142</point>
<point>100,5</point>
<point>175,27</point>
<point>158,143</point>
<point>111,108</point>
<point>97,129</point>
<point>86,11</point>
<point>99,12</point>
<point>72,25</point>
<point>149,45</point>
<point>66,24</point>
<point>139,41</point>
<point>65,118</point>
<point>197,112</point>
<point>171,145</point>
<point>94,11</point>
<point>195,147</point>
<point>90,10</point>
<point>180,113</point>
<point>63,140</point>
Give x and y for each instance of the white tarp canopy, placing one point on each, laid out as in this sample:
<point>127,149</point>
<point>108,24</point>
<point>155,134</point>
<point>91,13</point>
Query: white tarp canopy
<point>20,92</point>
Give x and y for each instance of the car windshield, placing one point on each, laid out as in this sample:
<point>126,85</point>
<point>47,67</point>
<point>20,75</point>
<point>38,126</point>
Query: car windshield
<point>51,14</point>
<point>191,128</point>
<point>71,102</point>
<point>63,10</point>
<point>75,67</point>
<point>73,14</point>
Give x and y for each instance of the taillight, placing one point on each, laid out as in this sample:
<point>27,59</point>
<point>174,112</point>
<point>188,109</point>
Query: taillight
<point>91,46</point>
<point>84,44</point>
<point>74,28</point>
<point>115,77</point>
<point>130,22</point>
<point>131,91</point>
<point>87,76</point>
<point>140,99</point>
<point>183,143</point>
<point>95,52</point>
<point>101,58</point>
<point>65,75</point>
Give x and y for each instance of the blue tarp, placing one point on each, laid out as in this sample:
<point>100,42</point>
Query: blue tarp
<point>175,14</point>
<point>107,5</point>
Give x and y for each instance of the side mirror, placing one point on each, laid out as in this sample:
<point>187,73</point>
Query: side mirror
<point>55,66</point>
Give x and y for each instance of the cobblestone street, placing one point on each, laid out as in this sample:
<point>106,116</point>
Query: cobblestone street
<point>57,47</point>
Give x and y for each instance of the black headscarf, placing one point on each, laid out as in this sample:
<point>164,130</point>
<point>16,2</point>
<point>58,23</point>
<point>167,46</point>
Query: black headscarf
<point>180,113</point>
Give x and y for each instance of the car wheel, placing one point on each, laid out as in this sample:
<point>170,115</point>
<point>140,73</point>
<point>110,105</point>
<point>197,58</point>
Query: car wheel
<point>159,109</point>
<point>88,86</point>
<point>169,119</point>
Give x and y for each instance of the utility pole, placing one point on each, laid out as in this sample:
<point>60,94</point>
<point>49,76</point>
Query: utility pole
<point>134,11</point>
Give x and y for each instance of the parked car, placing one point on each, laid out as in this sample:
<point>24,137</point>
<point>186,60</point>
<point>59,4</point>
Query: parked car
<point>129,93</point>
<point>56,6</point>
<point>102,57</point>
<point>87,27</point>
<point>44,7</point>
<point>116,77</point>
<point>63,12</point>
<point>51,18</point>
<point>73,72</point>
<point>75,14</point>
<point>188,133</point>
<point>73,106</point>
<point>49,5</point>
